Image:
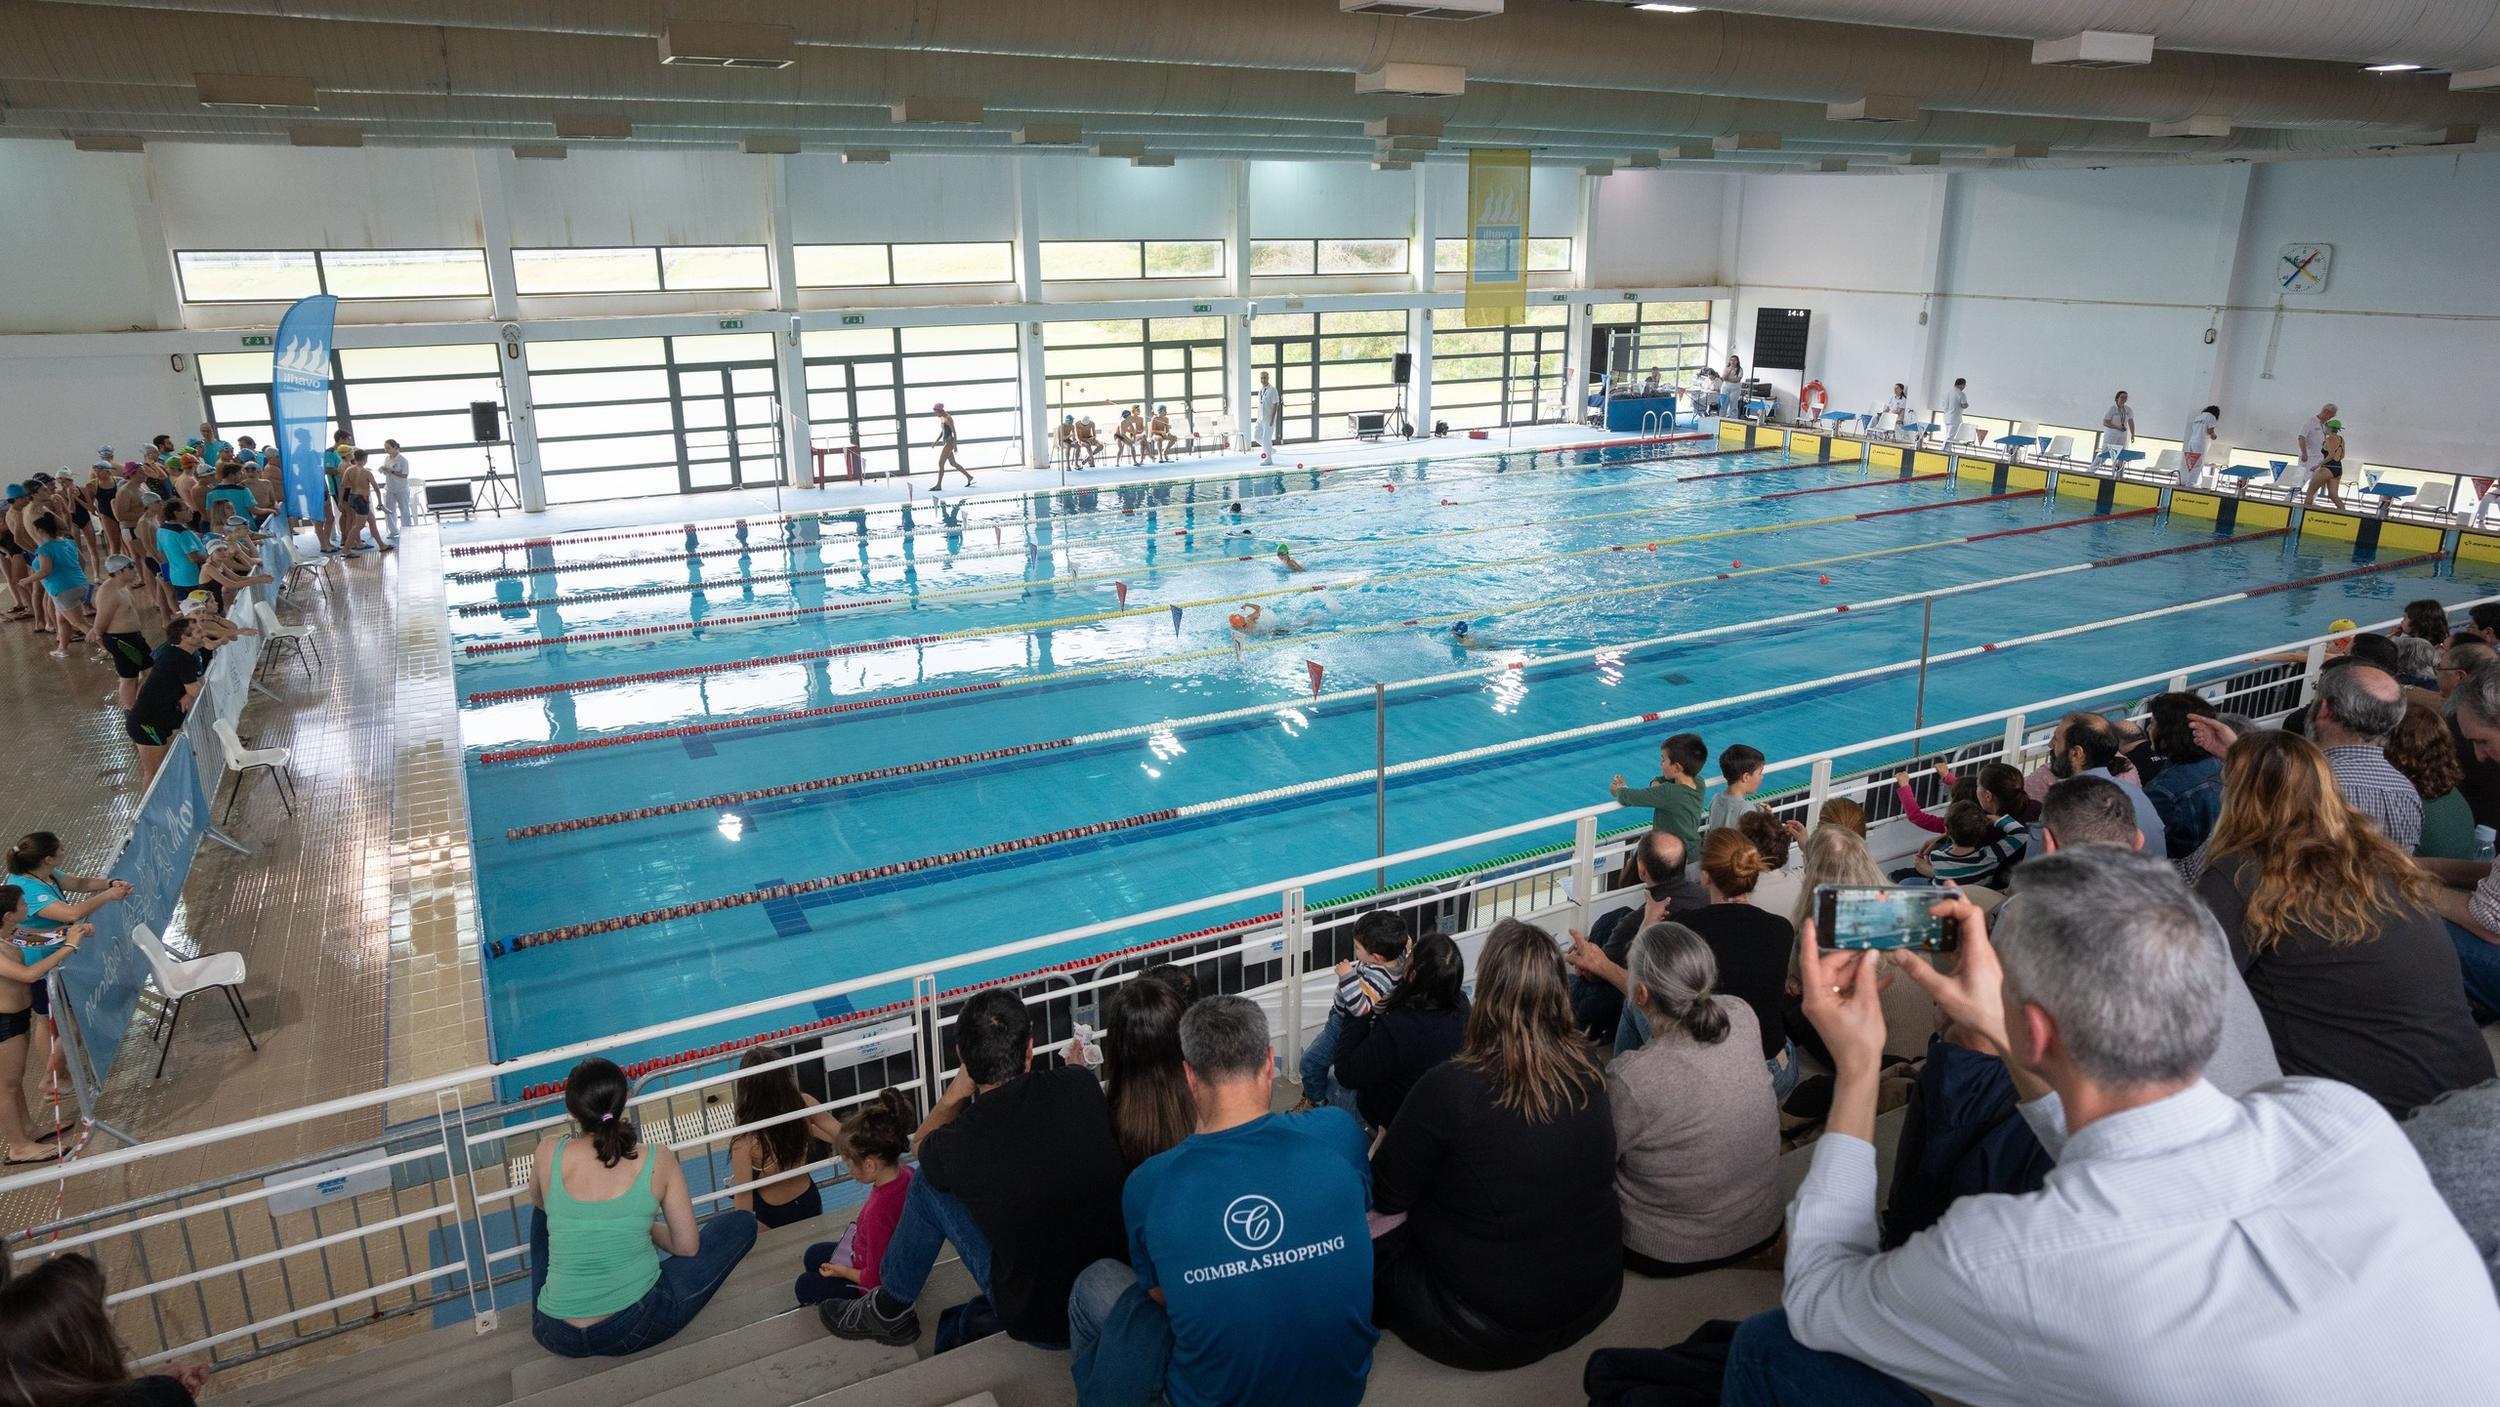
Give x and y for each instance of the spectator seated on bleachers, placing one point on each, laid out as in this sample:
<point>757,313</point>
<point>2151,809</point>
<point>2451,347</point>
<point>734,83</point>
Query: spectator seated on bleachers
<point>58,1347</point>
<point>1503,1162</point>
<point>2468,896</point>
<point>1365,981</point>
<point>1248,1275</point>
<point>1019,1170</point>
<point>1750,943</point>
<point>784,1141</point>
<point>2188,1248</point>
<point>1657,865</point>
<point>872,1143</point>
<point>1151,1108</point>
<point>2187,792</point>
<point>1421,1025</point>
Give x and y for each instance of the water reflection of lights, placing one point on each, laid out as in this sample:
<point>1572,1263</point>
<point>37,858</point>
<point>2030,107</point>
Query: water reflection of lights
<point>733,827</point>
<point>1609,667</point>
<point>1164,744</point>
<point>1294,721</point>
<point>1508,688</point>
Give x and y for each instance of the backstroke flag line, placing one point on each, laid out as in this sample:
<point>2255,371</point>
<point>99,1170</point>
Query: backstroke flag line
<point>1497,237</point>
<point>299,387</point>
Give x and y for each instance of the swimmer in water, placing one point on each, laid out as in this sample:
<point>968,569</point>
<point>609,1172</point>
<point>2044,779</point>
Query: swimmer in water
<point>1252,619</point>
<point>1461,639</point>
<point>1284,554</point>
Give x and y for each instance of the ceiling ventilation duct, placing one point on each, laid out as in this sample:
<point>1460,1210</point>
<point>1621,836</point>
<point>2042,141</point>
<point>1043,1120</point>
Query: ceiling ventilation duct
<point>1690,151</point>
<point>2094,48</point>
<point>108,141</point>
<point>1049,134</point>
<point>1755,140</point>
<point>1423,9</point>
<point>1403,124</point>
<point>594,129</point>
<point>2201,127</point>
<point>956,111</point>
<point>1130,147</point>
<point>1152,158</point>
<point>1392,163</point>
<point>2477,80</point>
<point>770,144</point>
<point>1921,156</point>
<point>1641,161</point>
<point>325,134</point>
<point>1597,168</point>
<point>866,156</point>
<point>538,151</point>
<point>1402,80</point>
<point>1408,143</point>
<point>255,91</point>
<point>2020,151</point>
<point>1874,107</point>
<point>725,44</point>
<point>1832,165</point>
<point>2462,134</point>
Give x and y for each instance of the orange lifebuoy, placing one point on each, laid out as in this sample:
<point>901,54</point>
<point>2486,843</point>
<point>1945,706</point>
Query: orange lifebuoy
<point>1812,400</point>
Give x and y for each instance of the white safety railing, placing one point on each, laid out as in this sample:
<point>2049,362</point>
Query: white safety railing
<point>427,1215</point>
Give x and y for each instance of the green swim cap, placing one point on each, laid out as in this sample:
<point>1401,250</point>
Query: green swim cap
<point>2335,425</point>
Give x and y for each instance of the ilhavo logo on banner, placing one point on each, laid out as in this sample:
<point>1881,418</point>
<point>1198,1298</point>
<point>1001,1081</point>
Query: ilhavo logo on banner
<point>299,389</point>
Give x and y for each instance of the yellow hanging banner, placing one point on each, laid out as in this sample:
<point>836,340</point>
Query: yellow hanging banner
<point>1497,237</point>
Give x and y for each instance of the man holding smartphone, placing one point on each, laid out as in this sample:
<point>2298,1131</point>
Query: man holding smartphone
<point>2294,1229</point>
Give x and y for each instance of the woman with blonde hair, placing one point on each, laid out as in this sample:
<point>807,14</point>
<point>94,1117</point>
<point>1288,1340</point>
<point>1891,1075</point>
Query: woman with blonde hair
<point>1503,1162</point>
<point>1750,943</point>
<point>2332,927</point>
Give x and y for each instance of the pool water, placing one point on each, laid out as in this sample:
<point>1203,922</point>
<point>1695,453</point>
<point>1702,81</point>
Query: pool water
<point>1001,671</point>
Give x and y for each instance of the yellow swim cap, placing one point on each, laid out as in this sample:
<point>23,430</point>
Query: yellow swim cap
<point>2340,626</point>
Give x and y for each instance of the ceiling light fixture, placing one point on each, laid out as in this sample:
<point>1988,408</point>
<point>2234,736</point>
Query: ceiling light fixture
<point>1670,9</point>
<point>257,91</point>
<point>726,44</point>
<point>2393,68</point>
<point>592,128</point>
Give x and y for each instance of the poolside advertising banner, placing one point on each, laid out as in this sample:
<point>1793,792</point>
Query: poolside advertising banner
<point>299,387</point>
<point>103,980</point>
<point>1497,237</point>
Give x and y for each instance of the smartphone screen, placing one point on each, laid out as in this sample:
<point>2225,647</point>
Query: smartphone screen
<point>1851,917</point>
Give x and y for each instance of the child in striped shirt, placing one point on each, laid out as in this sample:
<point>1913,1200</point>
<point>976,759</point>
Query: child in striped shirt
<point>1380,940</point>
<point>1973,850</point>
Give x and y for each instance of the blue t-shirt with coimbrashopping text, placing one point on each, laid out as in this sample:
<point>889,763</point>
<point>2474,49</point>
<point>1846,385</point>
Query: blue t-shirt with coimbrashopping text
<point>1257,1237</point>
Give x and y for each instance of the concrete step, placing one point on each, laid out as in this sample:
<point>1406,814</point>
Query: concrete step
<point>997,1370</point>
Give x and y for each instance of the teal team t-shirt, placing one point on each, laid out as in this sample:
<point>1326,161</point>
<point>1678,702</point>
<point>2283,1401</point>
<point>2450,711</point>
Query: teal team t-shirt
<point>66,575</point>
<point>234,496</point>
<point>176,544</point>
<point>1258,1238</point>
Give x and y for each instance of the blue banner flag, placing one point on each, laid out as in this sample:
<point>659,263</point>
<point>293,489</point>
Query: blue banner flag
<point>299,388</point>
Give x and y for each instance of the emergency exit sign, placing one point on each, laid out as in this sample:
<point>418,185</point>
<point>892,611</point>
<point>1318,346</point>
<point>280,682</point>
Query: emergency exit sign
<point>853,319</point>
<point>1202,307</point>
<point>256,339</point>
<point>732,324</point>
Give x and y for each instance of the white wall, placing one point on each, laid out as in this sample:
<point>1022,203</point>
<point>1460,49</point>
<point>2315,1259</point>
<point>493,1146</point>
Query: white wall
<point>928,201</point>
<point>58,410</point>
<point>276,197</point>
<point>1330,200</point>
<point>1657,229</point>
<point>77,253</point>
<point>2055,288</point>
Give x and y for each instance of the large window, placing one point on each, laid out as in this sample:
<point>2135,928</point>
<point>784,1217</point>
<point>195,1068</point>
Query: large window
<point>1289,258</point>
<point>675,269</point>
<point>1100,368</point>
<point>419,396</point>
<point>637,416</point>
<point>1494,376</point>
<point>886,265</point>
<point>881,386</point>
<point>1074,260</point>
<point>1545,256</point>
<point>283,275</point>
<point>1327,366</point>
<point>1635,339</point>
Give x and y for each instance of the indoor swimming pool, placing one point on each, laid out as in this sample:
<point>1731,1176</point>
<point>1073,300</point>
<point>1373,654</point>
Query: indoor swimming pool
<point>714,764</point>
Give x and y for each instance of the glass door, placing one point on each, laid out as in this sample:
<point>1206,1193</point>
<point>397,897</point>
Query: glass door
<point>853,399</point>
<point>1292,364</point>
<point>1532,374</point>
<point>725,431</point>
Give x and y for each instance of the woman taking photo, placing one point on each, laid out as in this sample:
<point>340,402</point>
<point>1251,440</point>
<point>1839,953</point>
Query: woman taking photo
<point>788,1141</point>
<point>2332,927</point>
<point>1151,1107</point>
<point>1503,1160</point>
<point>22,973</point>
<point>1420,1025</point>
<point>58,1348</point>
<point>1697,1140</point>
<point>607,1208</point>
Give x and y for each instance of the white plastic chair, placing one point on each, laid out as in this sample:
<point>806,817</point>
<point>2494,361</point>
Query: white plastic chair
<point>275,632</point>
<point>2060,447</point>
<point>241,760</point>
<point>179,979</point>
<point>2168,462</point>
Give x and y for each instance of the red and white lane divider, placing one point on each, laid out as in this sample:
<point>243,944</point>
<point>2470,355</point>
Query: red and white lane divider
<point>639,1068</point>
<point>1368,777</point>
<point>539,750</point>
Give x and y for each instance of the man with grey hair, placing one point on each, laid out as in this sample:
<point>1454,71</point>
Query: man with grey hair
<point>2189,1248</point>
<point>1250,1255</point>
<point>2358,706</point>
<point>2469,893</point>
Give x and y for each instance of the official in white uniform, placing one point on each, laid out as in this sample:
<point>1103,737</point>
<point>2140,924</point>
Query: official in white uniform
<point>1956,401</point>
<point>1271,416</point>
<point>2117,428</point>
<point>399,490</point>
<point>1898,408</point>
<point>2202,429</point>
